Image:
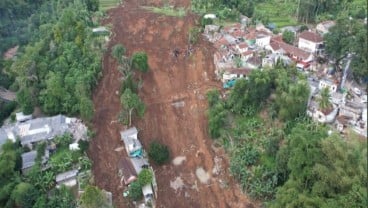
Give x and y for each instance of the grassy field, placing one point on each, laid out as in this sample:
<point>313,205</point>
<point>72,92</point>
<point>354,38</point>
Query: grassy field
<point>168,11</point>
<point>108,4</point>
<point>279,12</point>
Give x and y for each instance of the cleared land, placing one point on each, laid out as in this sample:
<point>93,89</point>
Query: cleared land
<point>184,80</point>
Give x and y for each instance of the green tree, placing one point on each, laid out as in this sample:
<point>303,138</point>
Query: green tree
<point>145,177</point>
<point>62,198</point>
<point>324,99</point>
<point>288,36</point>
<point>92,5</point>
<point>118,51</point>
<point>140,61</point>
<point>86,108</point>
<point>26,101</point>
<point>25,195</point>
<point>131,101</point>
<point>158,152</point>
<point>213,97</point>
<point>135,191</point>
<point>348,36</point>
<point>93,198</point>
<point>216,120</point>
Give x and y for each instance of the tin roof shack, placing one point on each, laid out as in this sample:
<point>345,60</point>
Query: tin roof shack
<point>68,178</point>
<point>126,171</point>
<point>29,160</point>
<point>132,144</point>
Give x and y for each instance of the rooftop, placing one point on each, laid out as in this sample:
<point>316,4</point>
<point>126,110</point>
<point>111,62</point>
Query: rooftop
<point>311,36</point>
<point>38,129</point>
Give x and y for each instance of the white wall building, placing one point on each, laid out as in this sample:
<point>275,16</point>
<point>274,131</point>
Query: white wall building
<point>310,41</point>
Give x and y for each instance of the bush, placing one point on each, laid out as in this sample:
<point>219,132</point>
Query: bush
<point>159,153</point>
<point>118,51</point>
<point>135,191</point>
<point>140,61</point>
<point>194,35</point>
<point>145,177</point>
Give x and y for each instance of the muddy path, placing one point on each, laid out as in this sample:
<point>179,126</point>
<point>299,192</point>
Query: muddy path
<point>174,91</point>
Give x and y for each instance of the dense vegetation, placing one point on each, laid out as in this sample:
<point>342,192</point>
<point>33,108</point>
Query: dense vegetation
<point>276,153</point>
<point>61,64</point>
<point>158,152</point>
<point>36,188</point>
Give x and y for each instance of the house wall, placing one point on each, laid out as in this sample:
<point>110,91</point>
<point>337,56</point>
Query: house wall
<point>307,45</point>
<point>263,42</point>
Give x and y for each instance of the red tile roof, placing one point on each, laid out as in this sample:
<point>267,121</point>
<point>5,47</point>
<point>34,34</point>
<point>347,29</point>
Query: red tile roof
<point>311,36</point>
<point>289,49</point>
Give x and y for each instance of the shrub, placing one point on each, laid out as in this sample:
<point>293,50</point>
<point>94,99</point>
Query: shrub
<point>145,177</point>
<point>194,35</point>
<point>135,191</point>
<point>159,153</point>
<point>140,61</point>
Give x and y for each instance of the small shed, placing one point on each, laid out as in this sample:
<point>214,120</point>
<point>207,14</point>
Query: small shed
<point>126,171</point>
<point>68,178</point>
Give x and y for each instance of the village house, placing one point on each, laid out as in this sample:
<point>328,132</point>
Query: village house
<point>234,73</point>
<point>310,41</point>
<point>262,39</point>
<point>270,60</point>
<point>68,178</point>
<point>296,54</point>
<point>36,130</point>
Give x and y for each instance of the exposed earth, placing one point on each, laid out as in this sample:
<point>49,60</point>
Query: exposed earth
<point>174,92</point>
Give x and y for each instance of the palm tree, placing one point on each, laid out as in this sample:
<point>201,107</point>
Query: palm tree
<point>324,99</point>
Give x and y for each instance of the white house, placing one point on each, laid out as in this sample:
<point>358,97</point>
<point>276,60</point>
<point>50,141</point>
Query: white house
<point>329,84</point>
<point>234,73</point>
<point>262,39</point>
<point>310,41</point>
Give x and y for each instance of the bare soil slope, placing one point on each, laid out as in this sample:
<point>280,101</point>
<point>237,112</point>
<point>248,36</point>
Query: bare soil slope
<point>174,91</point>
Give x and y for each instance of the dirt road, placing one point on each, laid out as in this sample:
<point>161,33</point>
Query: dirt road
<point>174,91</point>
